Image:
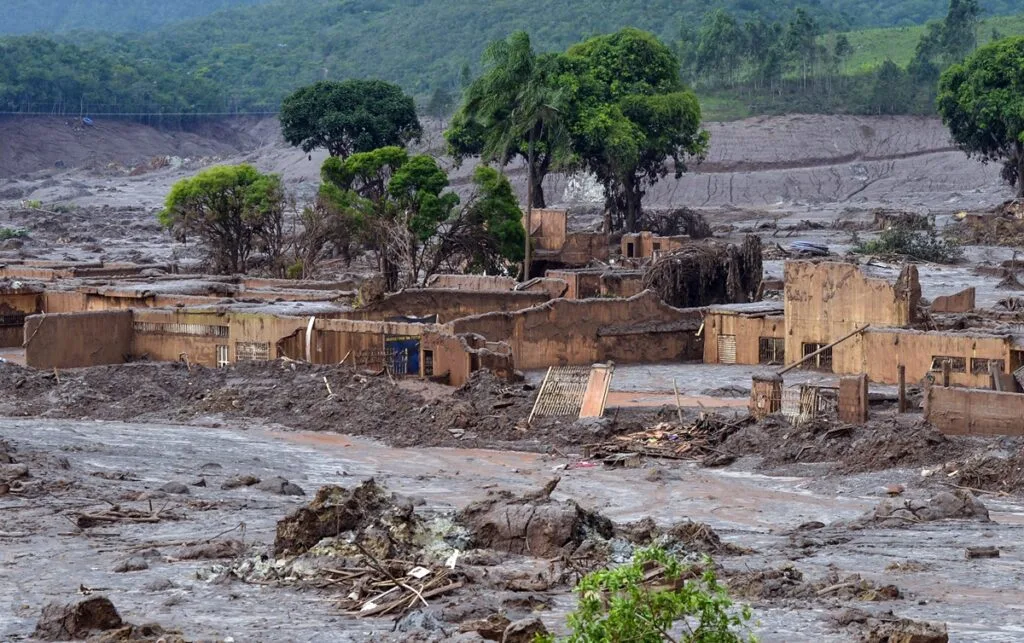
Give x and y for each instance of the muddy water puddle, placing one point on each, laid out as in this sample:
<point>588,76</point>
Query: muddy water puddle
<point>43,559</point>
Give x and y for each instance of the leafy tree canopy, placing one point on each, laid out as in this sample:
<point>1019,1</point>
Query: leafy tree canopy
<point>233,209</point>
<point>630,115</point>
<point>982,103</point>
<point>349,116</point>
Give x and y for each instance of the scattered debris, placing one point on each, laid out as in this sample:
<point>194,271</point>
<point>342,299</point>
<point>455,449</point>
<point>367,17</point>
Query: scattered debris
<point>694,441</point>
<point>982,552</point>
<point>118,514</point>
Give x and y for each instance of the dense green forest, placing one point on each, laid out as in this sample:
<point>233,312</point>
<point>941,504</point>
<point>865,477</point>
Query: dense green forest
<point>751,57</point>
<point>58,16</point>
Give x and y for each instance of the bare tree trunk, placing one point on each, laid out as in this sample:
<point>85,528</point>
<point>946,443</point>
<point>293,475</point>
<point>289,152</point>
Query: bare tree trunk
<point>529,209</point>
<point>1020,169</point>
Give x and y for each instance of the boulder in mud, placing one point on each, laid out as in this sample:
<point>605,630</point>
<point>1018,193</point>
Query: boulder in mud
<point>890,629</point>
<point>281,487</point>
<point>532,524</point>
<point>958,504</point>
<point>333,511</point>
<point>491,628</point>
<point>76,621</point>
<point>524,631</point>
<point>242,480</point>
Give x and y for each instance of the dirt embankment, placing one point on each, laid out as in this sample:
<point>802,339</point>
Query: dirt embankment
<point>29,145</point>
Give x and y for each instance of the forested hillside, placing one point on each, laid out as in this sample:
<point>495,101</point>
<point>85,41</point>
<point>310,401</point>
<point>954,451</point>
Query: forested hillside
<point>753,56</point>
<point>57,16</point>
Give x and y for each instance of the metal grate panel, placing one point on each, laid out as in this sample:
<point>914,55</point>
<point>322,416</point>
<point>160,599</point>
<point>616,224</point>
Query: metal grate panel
<point>726,349</point>
<point>196,330</point>
<point>252,351</point>
<point>562,392</point>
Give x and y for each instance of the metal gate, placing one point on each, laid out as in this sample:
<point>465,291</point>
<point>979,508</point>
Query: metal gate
<point>726,349</point>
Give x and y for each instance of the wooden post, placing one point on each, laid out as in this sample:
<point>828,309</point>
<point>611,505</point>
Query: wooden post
<point>679,407</point>
<point>901,378</point>
<point>947,369</point>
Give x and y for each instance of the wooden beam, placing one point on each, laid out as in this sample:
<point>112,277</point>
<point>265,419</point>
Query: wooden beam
<point>824,348</point>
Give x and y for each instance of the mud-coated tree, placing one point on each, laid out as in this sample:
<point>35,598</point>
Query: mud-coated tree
<point>982,103</point>
<point>631,118</point>
<point>233,209</point>
<point>349,116</point>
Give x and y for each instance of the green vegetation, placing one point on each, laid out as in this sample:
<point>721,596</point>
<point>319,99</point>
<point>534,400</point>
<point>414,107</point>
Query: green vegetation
<point>399,208</point>
<point>349,116</point>
<point>12,233</point>
<point>618,605</point>
<point>234,210</point>
<point>920,245</point>
<point>982,103</point>
<point>54,16</point>
<point>747,58</point>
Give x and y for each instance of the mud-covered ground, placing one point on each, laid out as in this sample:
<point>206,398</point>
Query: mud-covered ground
<point>796,543</point>
<point>796,509</point>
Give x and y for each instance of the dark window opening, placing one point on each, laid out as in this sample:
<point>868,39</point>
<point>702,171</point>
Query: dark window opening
<point>822,361</point>
<point>772,350</point>
<point>984,366</point>
<point>656,246</point>
<point>428,363</point>
<point>956,364</point>
<point>629,250</point>
<point>13,319</point>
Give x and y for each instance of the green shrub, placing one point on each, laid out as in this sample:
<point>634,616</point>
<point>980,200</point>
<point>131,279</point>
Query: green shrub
<point>12,233</point>
<point>913,244</point>
<point>618,605</point>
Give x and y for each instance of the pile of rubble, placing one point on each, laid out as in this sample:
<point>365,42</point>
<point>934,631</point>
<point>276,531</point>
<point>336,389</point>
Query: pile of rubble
<point>698,440</point>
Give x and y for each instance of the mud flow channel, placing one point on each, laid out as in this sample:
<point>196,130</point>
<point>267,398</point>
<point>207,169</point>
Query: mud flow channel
<point>86,466</point>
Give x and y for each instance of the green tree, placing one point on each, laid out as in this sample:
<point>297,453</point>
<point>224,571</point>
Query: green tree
<point>620,605</point>
<point>234,209</point>
<point>349,116</point>
<point>441,102</point>
<point>891,91</point>
<point>842,50</point>
<point>981,101</point>
<point>487,234</point>
<point>630,116</point>
<point>516,108</point>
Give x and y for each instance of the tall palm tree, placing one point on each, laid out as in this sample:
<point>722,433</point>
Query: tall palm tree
<point>516,102</point>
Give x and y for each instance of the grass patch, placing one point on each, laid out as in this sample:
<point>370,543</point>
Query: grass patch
<point>12,233</point>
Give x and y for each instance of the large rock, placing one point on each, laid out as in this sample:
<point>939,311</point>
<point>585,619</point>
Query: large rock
<point>532,524</point>
<point>491,628</point>
<point>75,621</point>
<point>333,511</point>
<point>524,631</point>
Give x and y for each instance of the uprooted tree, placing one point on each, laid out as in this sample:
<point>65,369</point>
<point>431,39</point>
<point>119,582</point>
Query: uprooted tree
<point>982,103</point>
<point>234,210</point>
<point>349,116</point>
<point>707,273</point>
<point>398,207</point>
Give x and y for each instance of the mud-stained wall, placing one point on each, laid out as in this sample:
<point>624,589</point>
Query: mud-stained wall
<point>209,338</point>
<point>643,245</point>
<point>961,302</point>
<point>584,284</point>
<point>555,288</point>
<point>878,353</point>
<point>446,304</point>
<point>477,283</point>
<point>825,301</point>
<point>580,332</point>
<point>960,411</point>
<point>547,228</point>
<point>580,248</point>
<point>72,340</point>
<point>747,332</point>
